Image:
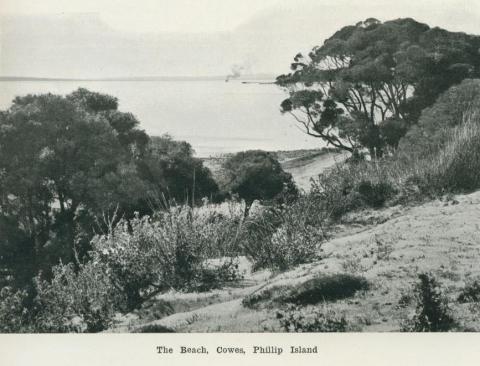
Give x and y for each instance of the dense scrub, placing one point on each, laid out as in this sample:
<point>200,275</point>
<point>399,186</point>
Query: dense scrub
<point>452,168</point>
<point>281,237</point>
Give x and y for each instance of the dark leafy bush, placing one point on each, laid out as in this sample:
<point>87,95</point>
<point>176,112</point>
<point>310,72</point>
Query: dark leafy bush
<point>432,311</point>
<point>256,174</point>
<point>375,194</point>
<point>470,293</point>
<point>297,319</point>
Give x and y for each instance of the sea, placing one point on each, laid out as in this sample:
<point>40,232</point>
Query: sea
<point>214,116</point>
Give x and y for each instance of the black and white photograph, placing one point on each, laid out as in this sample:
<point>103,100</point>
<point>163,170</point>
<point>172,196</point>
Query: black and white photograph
<point>239,166</point>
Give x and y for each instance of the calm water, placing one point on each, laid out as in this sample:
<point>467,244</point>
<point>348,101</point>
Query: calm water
<point>213,116</point>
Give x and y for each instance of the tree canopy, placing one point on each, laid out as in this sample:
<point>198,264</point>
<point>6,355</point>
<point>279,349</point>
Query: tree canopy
<point>67,163</point>
<point>256,174</point>
<point>368,83</point>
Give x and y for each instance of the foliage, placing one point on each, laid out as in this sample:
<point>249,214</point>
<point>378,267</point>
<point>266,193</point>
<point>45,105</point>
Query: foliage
<point>170,251</point>
<point>452,108</point>
<point>368,82</point>
<point>375,194</point>
<point>170,165</point>
<point>83,301</point>
<point>281,238</point>
<point>432,311</point>
<point>297,319</point>
<point>406,176</point>
<point>353,185</point>
<point>14,313</point>
<point>67,163</point>
<point>455,167</point>
<point>471,292</point>
<point>256,174</point>
<point>57,158</point>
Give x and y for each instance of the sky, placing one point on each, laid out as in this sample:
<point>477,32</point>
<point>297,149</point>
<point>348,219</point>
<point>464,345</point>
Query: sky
<point>151,15</point>
<point>212,15</point>
<point>127,38</point>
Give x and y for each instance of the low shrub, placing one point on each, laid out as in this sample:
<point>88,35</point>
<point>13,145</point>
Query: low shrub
<point>170,251</point>
<point>15,316</point>
<point>296,319</point>
<point>76,301</point>
<point>375,194</point>
<point>432,312</point>
<point>470,293</point>
<point>355,185</point>
<point>280,238</point>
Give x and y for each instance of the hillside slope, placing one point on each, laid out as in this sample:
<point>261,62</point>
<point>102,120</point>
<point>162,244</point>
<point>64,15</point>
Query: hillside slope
<point>389,247</point>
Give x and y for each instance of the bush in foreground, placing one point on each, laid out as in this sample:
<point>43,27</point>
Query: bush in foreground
<point>173,250</point>
<point>280,238</point>
<point>432,311</point>
<point>296,319</point>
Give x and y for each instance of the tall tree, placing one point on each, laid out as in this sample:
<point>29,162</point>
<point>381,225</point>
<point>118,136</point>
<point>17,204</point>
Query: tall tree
<point>368,82</point>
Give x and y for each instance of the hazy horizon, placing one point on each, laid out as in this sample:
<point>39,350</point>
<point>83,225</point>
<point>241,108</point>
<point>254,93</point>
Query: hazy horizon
<point>114,39</point>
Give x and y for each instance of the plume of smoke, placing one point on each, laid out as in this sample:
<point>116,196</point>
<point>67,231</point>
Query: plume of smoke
<point>237,70</point>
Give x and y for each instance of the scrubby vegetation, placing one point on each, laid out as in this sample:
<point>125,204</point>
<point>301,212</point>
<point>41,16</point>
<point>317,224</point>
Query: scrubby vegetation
<point>432,311</point>
<point>97,218</point>
<point>295,319</point>
<point>279,238</point>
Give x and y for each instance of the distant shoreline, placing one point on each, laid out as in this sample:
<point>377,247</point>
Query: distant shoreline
<point>254,78</point>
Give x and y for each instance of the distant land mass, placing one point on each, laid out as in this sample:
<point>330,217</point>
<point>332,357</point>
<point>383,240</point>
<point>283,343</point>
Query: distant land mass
<point>248,77</point>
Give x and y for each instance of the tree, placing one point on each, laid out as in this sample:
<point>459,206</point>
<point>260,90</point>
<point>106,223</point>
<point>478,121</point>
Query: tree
<point>67,165</point>
<point>256,174</point>
<point>175,172</point>
<point>368,83</point>
<point>63,164</point>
